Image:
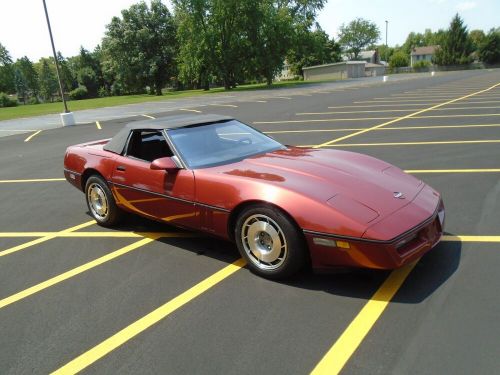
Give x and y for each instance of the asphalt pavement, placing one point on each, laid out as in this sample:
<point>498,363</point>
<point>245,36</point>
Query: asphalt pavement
<point>78,297</point>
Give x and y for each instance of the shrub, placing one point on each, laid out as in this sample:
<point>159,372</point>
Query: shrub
<point>79,93</point>
<point>5,101</point>
<point>398,59</point>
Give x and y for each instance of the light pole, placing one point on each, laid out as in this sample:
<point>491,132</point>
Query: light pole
<point>386,47</point>
<point>67,117</point>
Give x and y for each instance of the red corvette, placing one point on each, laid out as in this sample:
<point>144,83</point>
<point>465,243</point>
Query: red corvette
<point>284,206</point>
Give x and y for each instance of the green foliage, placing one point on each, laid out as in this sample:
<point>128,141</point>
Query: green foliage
<point>476,38</point>
<point>385,52</point>
<point>79,93</point>
<point>399,59</point>
<point>357,35</point>
<point>7,83</point>
<point>5,101</point>
<point>421,65</point>
<point>47,79</point>
<point>139,48</point>
<point>489,50</point>
<point>312,48</point>
<point>234,41</point>
<point>26,79</point>
<point>456,46</point>
<point>68,78</point>
<point>428,38</point>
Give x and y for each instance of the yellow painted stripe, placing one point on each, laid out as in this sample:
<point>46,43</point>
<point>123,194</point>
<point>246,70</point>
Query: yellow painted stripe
<point>189,110</point>
<point>104,234</point>
<point>336,358</point>
<point>491,170</point>
<point>32,135</point>
<point>73,272</point>
<point>410,101</point>
<point>382,129</point>
<point>394,110</point>
<point>411,115</point>
<point>449,238</point>
<point>140,325</point>
<point>393,119</point>
<point>44,239</point>
<point>224,105</point>
<point>407,104</point>
<point>148,116</point>
<point>32,180</point>
<point>407,143</point>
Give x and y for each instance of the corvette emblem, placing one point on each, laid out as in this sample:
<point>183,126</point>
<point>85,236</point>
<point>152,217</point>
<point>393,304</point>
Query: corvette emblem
<point>399,195</point>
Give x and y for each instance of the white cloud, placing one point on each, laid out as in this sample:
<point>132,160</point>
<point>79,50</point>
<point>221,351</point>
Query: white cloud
<point>466,5</point>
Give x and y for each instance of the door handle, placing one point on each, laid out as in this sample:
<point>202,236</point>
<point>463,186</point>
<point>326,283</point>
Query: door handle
<point>121,168</point>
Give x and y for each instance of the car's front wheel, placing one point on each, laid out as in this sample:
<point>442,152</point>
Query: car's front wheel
<point>101,203</point>
<point>270,242</point>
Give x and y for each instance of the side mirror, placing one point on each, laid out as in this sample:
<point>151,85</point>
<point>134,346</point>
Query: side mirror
<point>166,164</point>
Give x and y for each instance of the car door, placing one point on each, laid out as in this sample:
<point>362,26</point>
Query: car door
<point>157,194</point>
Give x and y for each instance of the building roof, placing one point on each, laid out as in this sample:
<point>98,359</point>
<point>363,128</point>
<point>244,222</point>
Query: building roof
<point>427,50</point>
<point>117,143</point>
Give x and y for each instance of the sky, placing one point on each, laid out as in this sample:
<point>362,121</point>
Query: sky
<point>75,23</point>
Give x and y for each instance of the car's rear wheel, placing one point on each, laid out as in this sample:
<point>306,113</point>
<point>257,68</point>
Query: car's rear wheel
<point>270,242</point>
<point>101,203</point>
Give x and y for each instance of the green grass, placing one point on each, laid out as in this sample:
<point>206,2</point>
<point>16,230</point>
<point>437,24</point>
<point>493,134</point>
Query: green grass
<point>31,110</point>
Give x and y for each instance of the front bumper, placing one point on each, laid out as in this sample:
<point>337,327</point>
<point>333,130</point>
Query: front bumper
<point>403,249</point>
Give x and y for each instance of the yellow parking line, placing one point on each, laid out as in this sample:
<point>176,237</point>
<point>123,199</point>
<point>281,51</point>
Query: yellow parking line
<point>336,358</point>
<point>189,110</point>
<point>405,100</point>
<point>408,143</point>
<point>104,234</point>
<point>395,110</point>
<point>224,105</point>
<point>140,325</point>
<point>73,272</point>
<point>148,116</point>
<point>461,238</point>
<point>411,115</point>
<point>490,170</point>
<point>32,135</point>
<point>383,129</point>
<point>44,239</point>
<point>392,118</point>
<point>98,125</point>
<point>406,104</point>
<point>32,180</point>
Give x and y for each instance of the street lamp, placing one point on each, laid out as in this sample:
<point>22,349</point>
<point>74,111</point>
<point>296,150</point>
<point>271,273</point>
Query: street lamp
<point>386,46</point>
<point>66,117</point>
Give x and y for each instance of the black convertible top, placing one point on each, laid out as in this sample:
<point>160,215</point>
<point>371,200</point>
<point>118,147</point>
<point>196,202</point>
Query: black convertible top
<point>117,143</point>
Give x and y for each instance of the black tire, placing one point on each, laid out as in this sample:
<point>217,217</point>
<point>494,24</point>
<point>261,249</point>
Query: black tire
<point>101,203</point>
<point>270,242</point>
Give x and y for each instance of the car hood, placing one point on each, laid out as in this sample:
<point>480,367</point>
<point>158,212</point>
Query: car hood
<point>346,181</point>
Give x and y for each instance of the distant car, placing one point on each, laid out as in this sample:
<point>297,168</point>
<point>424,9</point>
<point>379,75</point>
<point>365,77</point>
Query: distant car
<point>285,207</point>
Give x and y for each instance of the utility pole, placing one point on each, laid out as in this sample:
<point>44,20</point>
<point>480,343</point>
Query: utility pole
<point>61,90</point>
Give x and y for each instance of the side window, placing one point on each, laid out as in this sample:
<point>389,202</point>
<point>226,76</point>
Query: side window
<point>148,145</point>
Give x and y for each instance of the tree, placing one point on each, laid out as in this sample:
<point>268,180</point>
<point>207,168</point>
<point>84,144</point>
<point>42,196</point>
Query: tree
<point>141,47</point>
<point>357,35</point>
<point>236,40</point>
<point>456,47</point>
<point>6,71</point>
<point>399,59</point>
<point>48,80</point>
<point>26,78</point>
<point>312,48</point>
<point>489,51</point>
<point>67,76</point>
<point>477,38</point>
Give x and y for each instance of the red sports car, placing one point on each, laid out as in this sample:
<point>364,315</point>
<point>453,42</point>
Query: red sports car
<point>285,207</point>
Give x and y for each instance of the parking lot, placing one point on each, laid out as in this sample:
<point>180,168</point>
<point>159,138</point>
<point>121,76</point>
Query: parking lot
<point>146,298</point>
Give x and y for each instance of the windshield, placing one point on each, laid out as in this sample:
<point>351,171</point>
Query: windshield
<point>220,143</point>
